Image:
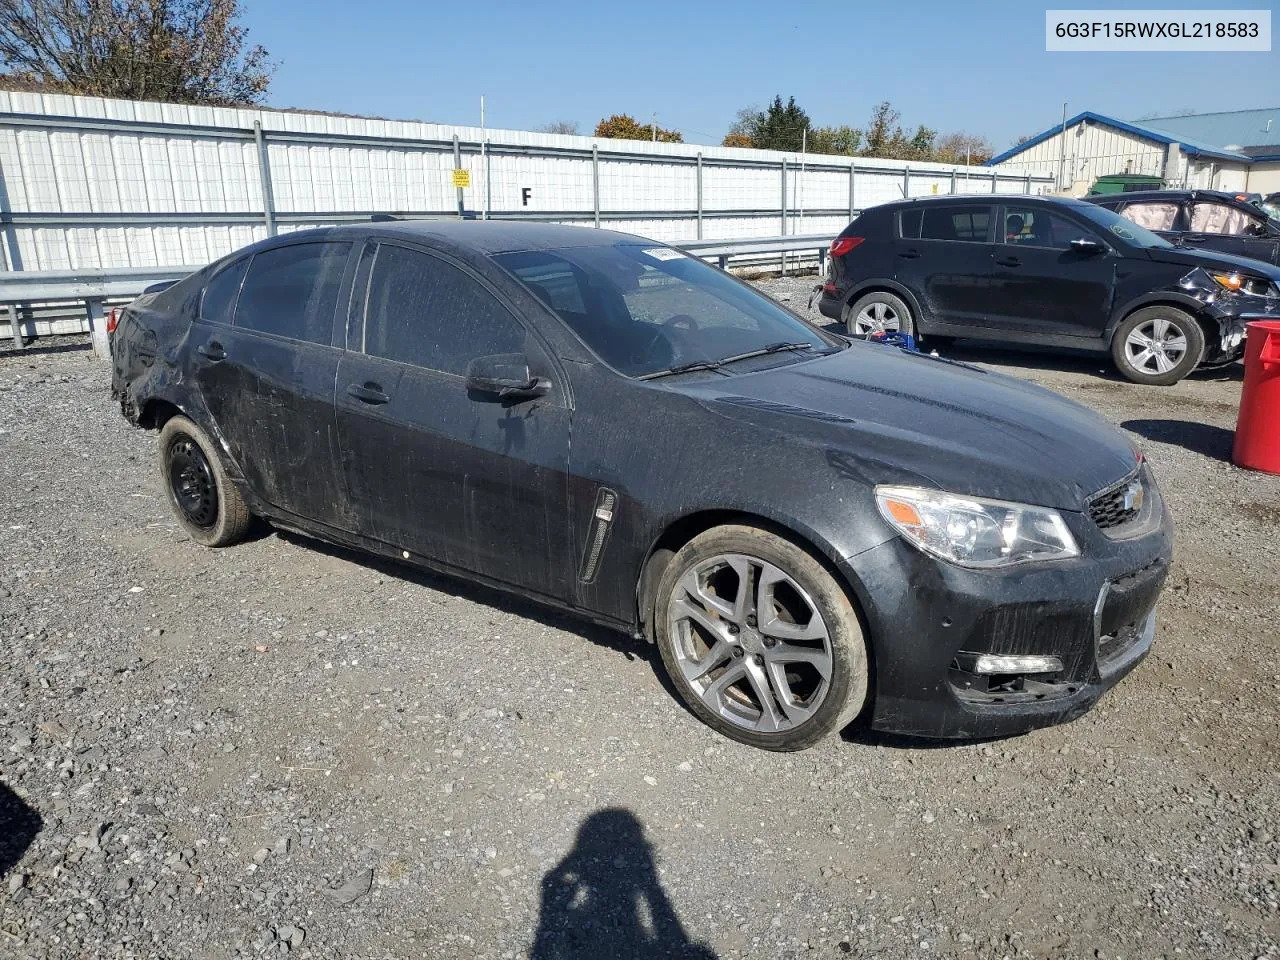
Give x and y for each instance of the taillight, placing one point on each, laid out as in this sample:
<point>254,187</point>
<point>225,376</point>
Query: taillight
<point>113,320</point>
<point>842,245</point>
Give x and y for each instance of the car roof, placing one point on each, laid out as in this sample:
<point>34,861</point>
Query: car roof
<point>987,198</point>
<point>1164,195</point>
<point>485,237</point>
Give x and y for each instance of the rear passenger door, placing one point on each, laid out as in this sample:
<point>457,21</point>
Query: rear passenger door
<point>434,469</point>
<point>944,258</point>
<point>263,359</point>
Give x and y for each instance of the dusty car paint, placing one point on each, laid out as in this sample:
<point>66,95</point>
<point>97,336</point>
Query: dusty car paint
<point>578,497</point>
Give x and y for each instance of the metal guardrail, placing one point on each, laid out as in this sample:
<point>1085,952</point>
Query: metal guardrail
<point>86,291</point>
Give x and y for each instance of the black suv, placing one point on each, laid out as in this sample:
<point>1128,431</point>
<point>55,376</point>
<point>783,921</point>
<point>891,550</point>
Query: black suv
<point>1044,270</point>
<point>1206,218</point>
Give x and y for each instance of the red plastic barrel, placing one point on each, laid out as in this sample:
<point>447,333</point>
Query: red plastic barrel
<point>1257,444</point>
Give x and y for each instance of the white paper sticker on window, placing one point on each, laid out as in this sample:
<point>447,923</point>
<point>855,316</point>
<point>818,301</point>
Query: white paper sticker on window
<point>663,253</point>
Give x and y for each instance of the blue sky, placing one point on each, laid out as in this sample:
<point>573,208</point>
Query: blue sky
<point>981,68</point>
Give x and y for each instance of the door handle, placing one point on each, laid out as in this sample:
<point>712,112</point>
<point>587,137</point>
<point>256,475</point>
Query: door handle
<point>1010,262</point>
<point>1193,239</point>
<point>909,254</point>
<point>212,350</point>
<point>368,392</point>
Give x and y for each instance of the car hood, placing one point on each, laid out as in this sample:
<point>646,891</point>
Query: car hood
<point>1213,260</point>
<point>889,416</point>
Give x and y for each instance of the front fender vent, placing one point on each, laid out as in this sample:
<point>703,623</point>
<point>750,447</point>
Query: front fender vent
<point>601,523</point>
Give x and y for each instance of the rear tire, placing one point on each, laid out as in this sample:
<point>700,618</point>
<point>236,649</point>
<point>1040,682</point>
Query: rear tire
<point>1157,345</point>
<point>202,496</point>
<point>878,311</point>
<point>759,639</point>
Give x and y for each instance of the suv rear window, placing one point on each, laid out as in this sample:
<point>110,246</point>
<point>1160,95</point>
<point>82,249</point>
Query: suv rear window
<point>968,224</point>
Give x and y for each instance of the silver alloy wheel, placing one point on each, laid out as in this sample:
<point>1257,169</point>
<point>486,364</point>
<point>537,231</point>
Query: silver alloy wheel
<point>878,317</point>
<point>750,642</point>
<point>1156,346</point>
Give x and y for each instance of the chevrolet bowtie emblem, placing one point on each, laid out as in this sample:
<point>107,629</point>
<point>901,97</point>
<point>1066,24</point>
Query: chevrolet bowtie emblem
<point>1133,496</point>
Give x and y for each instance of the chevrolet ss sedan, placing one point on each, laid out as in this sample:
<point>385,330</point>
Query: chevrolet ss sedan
<point>810,529</point>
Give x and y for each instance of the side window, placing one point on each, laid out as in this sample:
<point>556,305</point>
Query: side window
<point>219,299</point>
<point>1153,216</point>
<point>1220,218</point>
<point>292,291</point>
<point>1038,227</point>
<point>968,224</point>
<point>909,221</point>
<point>425,311</point>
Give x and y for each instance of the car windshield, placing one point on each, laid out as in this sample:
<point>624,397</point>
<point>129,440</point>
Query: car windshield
<point>1119,227</point>
<point>646,309</point>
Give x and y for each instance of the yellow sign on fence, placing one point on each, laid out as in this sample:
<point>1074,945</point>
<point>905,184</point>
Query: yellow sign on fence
<point>462,178</point>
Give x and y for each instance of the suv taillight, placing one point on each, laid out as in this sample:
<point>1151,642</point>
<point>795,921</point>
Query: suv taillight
<point>113,320</point>
<point>842,245</point>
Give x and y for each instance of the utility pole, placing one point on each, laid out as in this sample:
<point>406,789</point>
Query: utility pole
<point>1062,154</point>
<point>484,159</point>
<point>655,127</point>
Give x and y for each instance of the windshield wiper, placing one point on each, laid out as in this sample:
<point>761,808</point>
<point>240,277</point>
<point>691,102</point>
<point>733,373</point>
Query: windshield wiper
<point>779,347</point>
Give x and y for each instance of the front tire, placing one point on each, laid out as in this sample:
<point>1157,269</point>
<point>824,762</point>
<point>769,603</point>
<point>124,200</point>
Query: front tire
<point>202,496</point>
<point>878,312</point>
<point>759,639</point>
<point>1157,345</point>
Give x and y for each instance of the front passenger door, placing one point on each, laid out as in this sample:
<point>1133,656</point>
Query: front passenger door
<point>449,474</point>
<point>1229,229</point>
<point>1042,284</point>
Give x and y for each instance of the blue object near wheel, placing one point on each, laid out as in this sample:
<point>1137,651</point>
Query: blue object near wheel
<point>895,339</point>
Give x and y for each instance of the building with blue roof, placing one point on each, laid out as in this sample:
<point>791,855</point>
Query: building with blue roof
<point>1237,150</point>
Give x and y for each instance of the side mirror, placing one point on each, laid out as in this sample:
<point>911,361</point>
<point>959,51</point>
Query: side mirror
<point>505,376</point>
<point>1087,245</point>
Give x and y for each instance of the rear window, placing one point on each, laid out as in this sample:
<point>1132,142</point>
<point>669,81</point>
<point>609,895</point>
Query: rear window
<point>968,224</point>
<point>292,291</point>
<point>219,301</point>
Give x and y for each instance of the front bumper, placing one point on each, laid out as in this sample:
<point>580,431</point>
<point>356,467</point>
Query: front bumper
<point>1096,613</point>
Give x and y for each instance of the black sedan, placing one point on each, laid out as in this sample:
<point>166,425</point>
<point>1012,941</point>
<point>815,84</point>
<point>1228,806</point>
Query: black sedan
<point>808,528</point>
<point>1203,219</point>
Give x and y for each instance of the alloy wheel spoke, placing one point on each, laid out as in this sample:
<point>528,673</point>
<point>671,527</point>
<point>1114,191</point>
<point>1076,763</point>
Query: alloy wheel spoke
<point>1159,328</point>
<point>714,694</point>
<point>771,718</point>
<point>1175,344</point>
<point>783,653</point>
<point>714,626</point>
<point>795,711</point>
<point>1163,363</point>
<point>697,669</point>
<point>1143,357</point>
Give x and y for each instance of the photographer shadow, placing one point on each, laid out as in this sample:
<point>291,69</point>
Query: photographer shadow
<point>604,899</point>
<point>19,825</point>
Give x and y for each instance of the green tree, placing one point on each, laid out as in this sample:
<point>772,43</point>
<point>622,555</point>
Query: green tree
<point>781,126</point>
<point>178,51</point>
<point>622,126</point>
<point>880,129</point>
<point>844,141</point>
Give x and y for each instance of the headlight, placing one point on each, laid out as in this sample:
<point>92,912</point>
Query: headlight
<point>974,532</point>
<point>1240,283</point>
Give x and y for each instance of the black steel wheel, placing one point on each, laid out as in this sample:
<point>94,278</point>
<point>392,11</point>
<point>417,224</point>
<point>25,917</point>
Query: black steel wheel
<point>191,483</point>
<point>204,499</point>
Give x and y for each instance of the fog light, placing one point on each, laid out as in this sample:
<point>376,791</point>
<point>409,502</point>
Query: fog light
<point>998,663</point>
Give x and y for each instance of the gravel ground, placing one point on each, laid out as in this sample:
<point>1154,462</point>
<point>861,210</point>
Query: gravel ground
<point>283,748</point>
